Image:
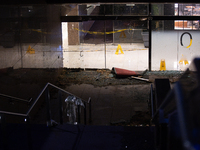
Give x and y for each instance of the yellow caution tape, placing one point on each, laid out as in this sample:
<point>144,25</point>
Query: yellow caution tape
<point>101,33</point>
<point>85,31</point>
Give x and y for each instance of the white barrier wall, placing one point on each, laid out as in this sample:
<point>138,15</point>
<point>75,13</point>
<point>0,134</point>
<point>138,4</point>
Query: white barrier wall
<point>45,57</point>
<point>167,45</point>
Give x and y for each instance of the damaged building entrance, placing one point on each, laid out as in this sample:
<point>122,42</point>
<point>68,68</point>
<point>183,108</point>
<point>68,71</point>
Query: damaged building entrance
<point>104,43</point>
<point>117,35</point>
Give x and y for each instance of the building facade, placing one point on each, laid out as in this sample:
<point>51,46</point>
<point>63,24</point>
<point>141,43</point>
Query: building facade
<point>90,35</point>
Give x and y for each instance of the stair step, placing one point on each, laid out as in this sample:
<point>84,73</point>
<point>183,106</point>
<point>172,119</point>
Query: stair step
<point>80,137</point>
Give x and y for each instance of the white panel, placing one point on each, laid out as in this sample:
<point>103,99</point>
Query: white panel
<point>164,46</point>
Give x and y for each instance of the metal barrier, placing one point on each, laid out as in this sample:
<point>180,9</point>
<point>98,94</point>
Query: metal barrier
<point>16,98</point>
<point>50,122</point>
<point>176,118</point>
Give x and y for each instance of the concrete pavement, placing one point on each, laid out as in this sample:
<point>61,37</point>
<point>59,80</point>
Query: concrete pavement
<point>112,104</point>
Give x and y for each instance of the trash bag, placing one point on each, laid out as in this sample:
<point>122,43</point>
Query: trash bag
<point>71,108</point>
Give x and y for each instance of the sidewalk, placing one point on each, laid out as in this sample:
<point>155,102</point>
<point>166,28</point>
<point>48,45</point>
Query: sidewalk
<point>99,56</point>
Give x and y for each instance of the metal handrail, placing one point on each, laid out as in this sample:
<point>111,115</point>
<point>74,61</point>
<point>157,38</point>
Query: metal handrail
<point>167,99</point>
<point>37,99</point>
<point>152,107</point>
<point>67,92</point>
<point>181,116</point>
<point>12,113</point>
<point>50,122</point>
<point>43,90</point>
<point>16,98</point>
<point>177,93</point>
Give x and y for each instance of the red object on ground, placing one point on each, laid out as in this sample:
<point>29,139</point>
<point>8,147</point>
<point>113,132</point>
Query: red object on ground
<point>124,72</point>
<point>6,70</point>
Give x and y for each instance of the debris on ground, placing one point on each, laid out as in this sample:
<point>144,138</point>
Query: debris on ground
<point>124,72</point>
<point>94,77</point>
<point>98,76</point>
<point>140,118</point>
<point>6,70</point>
<point>139,78</point>
<point>37,78</point>
<point>105,77</point>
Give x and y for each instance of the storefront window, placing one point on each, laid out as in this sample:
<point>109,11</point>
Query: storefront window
<point>96,31</point>
<point>187,9</point>
<point>186,24</point>
<point>162,9</point>
<point>97,9</point>
<point>107,43</point>
<point>175,9</point>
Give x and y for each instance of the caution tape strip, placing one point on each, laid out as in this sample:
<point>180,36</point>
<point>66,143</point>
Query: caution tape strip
<point>101,33</point>
<point>85,31</point>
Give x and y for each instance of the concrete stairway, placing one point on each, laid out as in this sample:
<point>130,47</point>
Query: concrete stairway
<point>77,137</point>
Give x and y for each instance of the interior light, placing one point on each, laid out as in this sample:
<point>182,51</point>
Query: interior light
<point>25,119</point>
<point>98,4</point>
<point>176,5</point>
<point>143,19</point>
<point>130,4</point>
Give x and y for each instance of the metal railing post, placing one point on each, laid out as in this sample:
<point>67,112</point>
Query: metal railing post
<point>179,97</point>
<point>60,106</point>
<point>3,130</point>
<point>79,118</point>
<point>90,110</point>
<point>28,128</point>
<point>47,98</point>
<point>152,102</point>
<point>85,113</point>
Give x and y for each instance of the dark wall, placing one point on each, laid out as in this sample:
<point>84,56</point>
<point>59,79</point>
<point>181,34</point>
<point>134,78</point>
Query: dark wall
<point>169,11</point>
<point>30,24</point>
<point>122,1</point>
<point>17,2</point>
